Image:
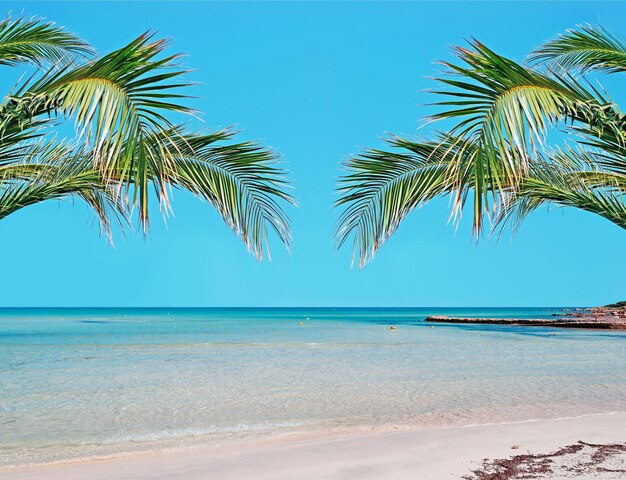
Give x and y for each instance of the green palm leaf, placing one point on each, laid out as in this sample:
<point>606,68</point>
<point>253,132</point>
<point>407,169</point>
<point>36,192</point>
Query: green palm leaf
<point>122,103</point>
<point>499,113</point>
<point>382,187</point>
<point>241,180</point>
<point>119,101</point>
<point>502,111</point>
<point>37,42</point>
<point>54,171</point>
<point>568,178</point>
<point>587,48</point>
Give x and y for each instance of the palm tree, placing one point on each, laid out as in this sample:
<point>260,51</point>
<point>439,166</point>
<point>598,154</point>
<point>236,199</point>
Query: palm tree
<point>125,143</point>
<point>517,136</point>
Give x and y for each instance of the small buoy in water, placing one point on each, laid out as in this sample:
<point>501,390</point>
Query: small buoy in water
<point>393,327</point>
<point>432,326</point>
<point>300,323</point>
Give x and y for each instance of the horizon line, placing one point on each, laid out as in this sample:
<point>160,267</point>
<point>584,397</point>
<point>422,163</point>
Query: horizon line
<point>288,307</point>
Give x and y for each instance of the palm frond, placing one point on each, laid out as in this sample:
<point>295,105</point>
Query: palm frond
<point>38,42</point>
<point>121,103</point>
<point>585,48</point>
<point>502,112</point>
<point>55,171</point>
<point>568,178</point>
<point>604,129</point>
<point>118,101</point>
<point>382,187</point>
<point>14,143</point>
<point>241,180</point>
<point>498,114</point>
<point>18,129</point>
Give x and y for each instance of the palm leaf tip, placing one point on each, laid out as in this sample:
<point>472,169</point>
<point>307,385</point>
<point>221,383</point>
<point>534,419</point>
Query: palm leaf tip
<point>38,42</point>
<point>568,178</point>
<point>243,181</point>
<point>585,48</point>
<point>381,187</point>
<point>56,171</point>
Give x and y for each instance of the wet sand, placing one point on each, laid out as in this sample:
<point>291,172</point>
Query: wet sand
<point>426,454</point>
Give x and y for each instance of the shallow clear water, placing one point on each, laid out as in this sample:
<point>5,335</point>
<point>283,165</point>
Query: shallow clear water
<point>84,383</point>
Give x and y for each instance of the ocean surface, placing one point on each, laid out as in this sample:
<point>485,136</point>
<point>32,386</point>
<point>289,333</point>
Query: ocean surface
<point>78,383</point>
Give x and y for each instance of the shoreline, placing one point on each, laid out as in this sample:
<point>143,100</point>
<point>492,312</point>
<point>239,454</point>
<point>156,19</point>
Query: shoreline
<point>390,453</point>
<point>290,438</point>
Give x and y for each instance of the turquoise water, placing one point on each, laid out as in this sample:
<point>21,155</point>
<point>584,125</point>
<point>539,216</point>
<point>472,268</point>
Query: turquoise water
<point>91,383</point>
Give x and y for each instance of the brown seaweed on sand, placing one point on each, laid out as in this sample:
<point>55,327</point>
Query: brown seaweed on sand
<point>579,460</point>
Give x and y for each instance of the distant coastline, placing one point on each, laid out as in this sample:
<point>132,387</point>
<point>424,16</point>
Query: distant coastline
<point>607,317</point>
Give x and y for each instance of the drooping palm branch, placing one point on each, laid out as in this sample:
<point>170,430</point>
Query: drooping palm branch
<point>587,48</point>
<point>382,187</point>
<point>568,178</point>
<point>121,103</point>
<point>118,101</point>
<point>493,153</point>
<point>54,171</point>
<point>241,180</point>
<point>37,42</point>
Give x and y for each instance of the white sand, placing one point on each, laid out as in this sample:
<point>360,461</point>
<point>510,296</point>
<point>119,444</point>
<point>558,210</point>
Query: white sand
<point>417,455</point>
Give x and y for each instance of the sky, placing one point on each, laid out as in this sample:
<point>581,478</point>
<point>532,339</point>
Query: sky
<point>317,82</point>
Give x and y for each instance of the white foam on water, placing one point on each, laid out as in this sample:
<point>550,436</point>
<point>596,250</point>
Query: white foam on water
<point>197,432</point>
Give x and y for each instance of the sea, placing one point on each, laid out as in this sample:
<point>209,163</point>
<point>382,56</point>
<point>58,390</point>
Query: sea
<point>95,383</point>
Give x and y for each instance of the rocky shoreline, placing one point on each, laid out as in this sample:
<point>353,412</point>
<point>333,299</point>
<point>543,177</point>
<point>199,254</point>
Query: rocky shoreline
<point>608,317</point>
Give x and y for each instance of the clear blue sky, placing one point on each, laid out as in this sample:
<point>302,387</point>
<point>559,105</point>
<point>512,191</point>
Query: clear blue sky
<point>316,81</point>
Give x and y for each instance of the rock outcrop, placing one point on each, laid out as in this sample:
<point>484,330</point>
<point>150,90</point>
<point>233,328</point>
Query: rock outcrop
<point>609,317</point>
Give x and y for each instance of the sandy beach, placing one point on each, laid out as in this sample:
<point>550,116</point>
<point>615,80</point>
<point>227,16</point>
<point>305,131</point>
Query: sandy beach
<point>425,454</point>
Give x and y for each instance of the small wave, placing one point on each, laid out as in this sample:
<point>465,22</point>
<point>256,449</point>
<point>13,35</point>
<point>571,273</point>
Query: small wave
<point>170,434</point>
<point>532,420</point>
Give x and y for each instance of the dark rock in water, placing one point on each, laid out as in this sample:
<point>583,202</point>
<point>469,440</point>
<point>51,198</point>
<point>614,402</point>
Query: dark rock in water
<point>610,317</point>
<point>590,322</point>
